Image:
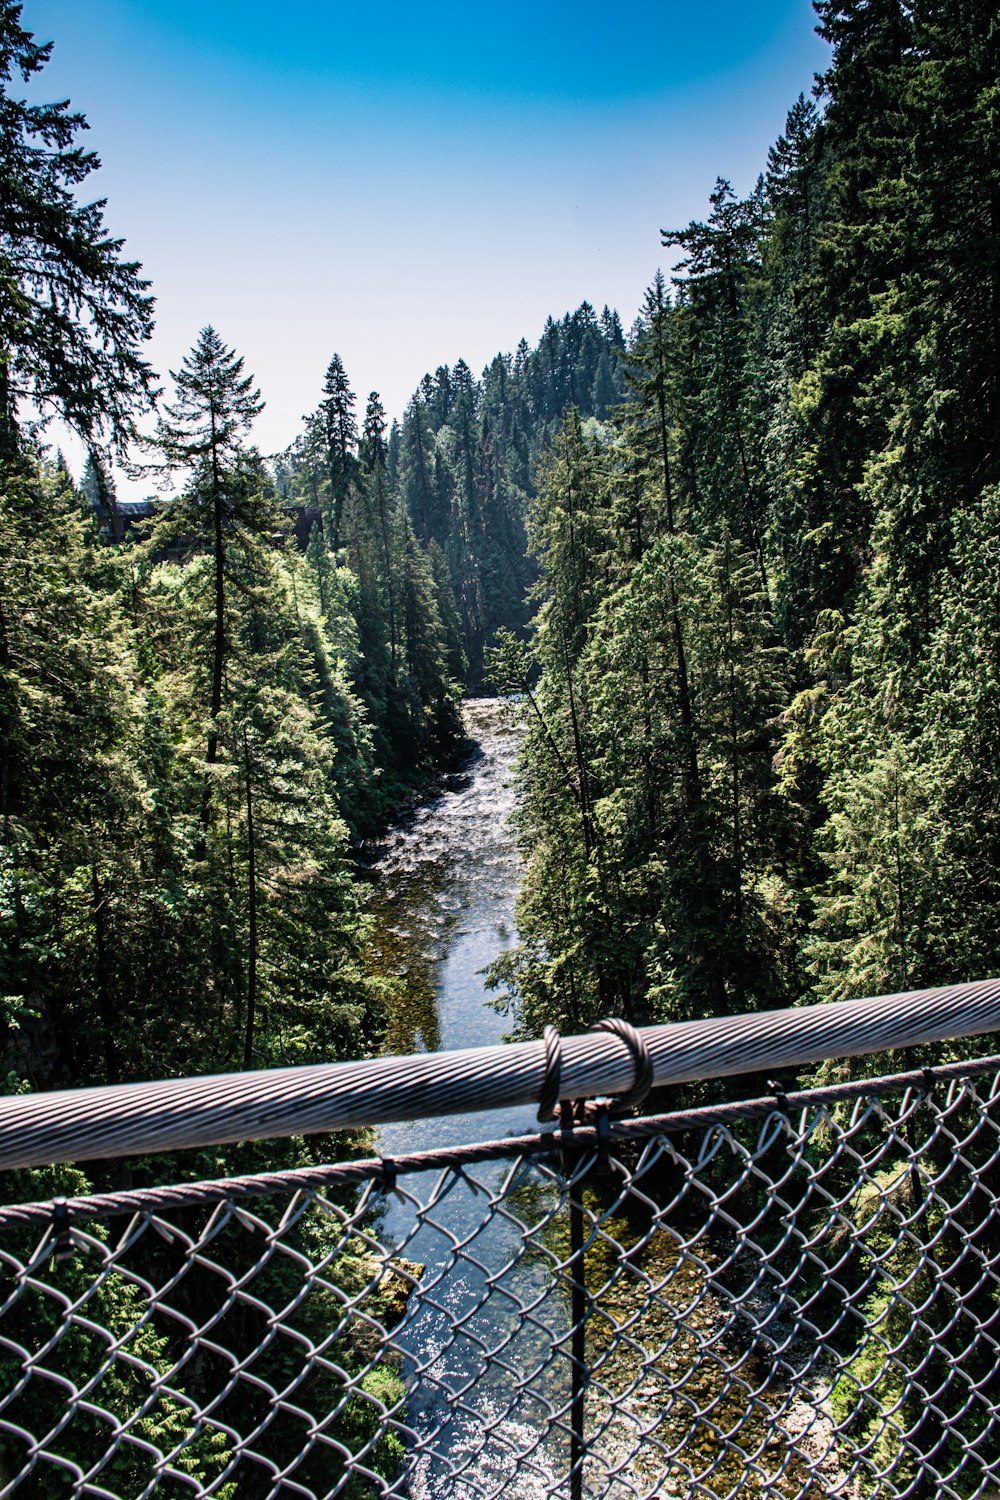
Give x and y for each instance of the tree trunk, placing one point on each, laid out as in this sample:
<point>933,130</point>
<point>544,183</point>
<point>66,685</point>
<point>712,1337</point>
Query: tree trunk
<point>102,976</point>
<point>6,734</point>
<point>251,1010</point>
<point>9,444</point>
<point>219,650</point>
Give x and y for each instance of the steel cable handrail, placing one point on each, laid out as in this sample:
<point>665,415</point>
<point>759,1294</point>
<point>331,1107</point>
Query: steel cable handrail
<point>384,1173</point>
<point>174,1114</point>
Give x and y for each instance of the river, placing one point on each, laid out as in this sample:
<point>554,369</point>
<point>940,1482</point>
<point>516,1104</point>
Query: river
<point>445,885</point>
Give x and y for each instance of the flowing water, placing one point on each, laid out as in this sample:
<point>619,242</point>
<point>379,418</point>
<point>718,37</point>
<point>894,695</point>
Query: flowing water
<point>443,898</point>
<point>446,883</point>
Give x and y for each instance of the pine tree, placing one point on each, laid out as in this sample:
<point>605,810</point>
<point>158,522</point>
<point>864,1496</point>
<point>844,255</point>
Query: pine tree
<point>417,479</point>
<point>98,487</point>
<point>73,314</point>
<point>81,892</point>
<point>652,377</point>
<point>374,467</point>
<point>339,436</point>
<point>908,750</point>
<point>721,257</point>
<point>202,433</point>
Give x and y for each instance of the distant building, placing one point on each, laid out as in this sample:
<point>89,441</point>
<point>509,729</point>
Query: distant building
<point>115,518</point>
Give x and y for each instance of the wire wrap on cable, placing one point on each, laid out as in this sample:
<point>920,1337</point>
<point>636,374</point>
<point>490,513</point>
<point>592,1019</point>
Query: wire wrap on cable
<point>357,1172</point>
<point>642,1062</point>
<point>548,1099</point>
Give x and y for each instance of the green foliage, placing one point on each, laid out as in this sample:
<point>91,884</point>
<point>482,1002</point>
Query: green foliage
<point>74,788</point>
<point>131,1360</point>
<point>84,1356</point>
<point>175,889</point>
<point>761,691</point>
<point>762,682</point>
<point>73,314</point>
<point>380,600</point>
<point>904,1396</point>
<point>656,880</point>
<point>467,455</point>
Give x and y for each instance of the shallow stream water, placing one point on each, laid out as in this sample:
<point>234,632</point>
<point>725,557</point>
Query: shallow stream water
<point>445,885</point>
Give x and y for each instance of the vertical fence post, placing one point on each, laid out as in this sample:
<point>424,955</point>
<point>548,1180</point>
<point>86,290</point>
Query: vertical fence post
<point>578,1349</point>
<point>578,1304</point>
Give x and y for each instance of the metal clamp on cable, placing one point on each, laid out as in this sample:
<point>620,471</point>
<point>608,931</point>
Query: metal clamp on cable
<point>572,1114</point>
<point>602,1123</point>
<point>387,1175</point>
<point>548,1099</point>
<point>780,1098</point>
<point>63,1248</point>
<point>642,1080</point>
<point>929,1082</point>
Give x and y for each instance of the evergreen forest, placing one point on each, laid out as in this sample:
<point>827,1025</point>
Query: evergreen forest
<point>211,701</point>
<point>763,676</point>
<point>738,565</point>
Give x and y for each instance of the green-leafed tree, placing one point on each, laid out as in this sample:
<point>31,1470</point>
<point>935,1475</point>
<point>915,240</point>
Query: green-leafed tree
<point>73,793</point>
<point>379,596</point>
<point>720,417</point>
<point>467,452</point>
<point>338,434</point>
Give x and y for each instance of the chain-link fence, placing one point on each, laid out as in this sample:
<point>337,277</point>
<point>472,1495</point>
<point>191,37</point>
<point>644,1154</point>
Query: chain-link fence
<point>796,1297</point>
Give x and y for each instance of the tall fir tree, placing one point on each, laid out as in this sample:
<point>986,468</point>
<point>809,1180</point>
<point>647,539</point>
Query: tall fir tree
<point>74,314</point>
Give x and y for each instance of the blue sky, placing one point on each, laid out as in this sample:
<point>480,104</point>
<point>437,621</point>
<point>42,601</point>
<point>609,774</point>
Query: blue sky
<point>409,184</point>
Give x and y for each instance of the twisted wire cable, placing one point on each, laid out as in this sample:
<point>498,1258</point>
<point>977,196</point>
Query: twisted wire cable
<point>173,1114</point>
<point>59,1211</point>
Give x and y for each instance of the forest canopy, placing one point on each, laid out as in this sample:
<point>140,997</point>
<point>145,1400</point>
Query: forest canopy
<point>738,560</point>
<point>737,569</point>
<point>763,672</point>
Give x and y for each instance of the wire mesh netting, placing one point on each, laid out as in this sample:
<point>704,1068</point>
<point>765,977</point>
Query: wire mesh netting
<point>798,1303</point>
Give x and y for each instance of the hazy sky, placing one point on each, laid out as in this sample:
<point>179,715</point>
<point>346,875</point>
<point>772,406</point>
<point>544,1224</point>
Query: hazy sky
<point>408,184</point>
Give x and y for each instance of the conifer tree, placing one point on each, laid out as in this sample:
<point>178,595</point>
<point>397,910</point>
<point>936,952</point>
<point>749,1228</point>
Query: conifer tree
<point>202,433</point>
<point>418,473</point>
<point>92,904</point>
<point>374,467</point>
<point>720,257</point>
<point>73,314</point>
<point>339,435</point>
